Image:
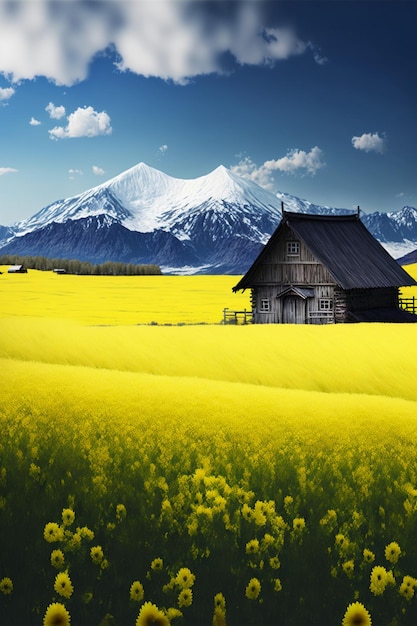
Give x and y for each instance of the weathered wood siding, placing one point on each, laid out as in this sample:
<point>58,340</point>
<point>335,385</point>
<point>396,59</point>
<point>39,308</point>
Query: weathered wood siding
<point>281,270</point>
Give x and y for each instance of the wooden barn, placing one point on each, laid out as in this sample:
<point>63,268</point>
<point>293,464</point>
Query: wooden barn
<point>320,269</point>
<point>17,269</point>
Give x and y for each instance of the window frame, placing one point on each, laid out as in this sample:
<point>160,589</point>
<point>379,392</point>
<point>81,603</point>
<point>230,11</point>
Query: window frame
<point>325,304</point>
<point>265,305</point>
<point>293,248</point>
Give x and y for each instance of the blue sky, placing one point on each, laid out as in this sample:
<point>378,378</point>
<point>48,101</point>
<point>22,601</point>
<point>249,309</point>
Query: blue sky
<point>316,99</point>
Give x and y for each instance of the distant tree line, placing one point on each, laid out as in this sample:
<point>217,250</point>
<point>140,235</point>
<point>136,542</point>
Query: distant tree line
<point>73,266</point>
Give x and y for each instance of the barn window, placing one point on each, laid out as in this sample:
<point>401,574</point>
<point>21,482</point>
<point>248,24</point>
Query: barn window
<point>293,248</point>
<point>265,305</point>
<point>326,304</point>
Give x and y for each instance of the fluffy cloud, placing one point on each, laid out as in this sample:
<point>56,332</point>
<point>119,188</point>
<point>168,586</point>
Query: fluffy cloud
<point>7,170</point>
<point>298,160</point>
<point>166,39</point>
<point>162,149</point>
<point>98,171</point>
<point>55,113</point>
<point>370,142</point>
<point>6,93</point>
<point>84,122</point>
<point>34,122</point>
<point>248,169</point>
<point>295,161</point>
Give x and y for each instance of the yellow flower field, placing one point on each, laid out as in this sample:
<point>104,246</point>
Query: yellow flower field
<point>119,299</point>
<point>200,473</point>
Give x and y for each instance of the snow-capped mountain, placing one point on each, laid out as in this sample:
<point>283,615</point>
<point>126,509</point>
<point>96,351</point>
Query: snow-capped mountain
<point>218,222</point>
<point>143,199</point>
<point>211,224</point>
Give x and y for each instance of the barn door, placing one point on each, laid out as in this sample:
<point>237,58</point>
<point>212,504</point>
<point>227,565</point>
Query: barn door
<point>293,310</point>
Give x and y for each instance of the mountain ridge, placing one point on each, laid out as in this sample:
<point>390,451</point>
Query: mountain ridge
<point>216,223</point>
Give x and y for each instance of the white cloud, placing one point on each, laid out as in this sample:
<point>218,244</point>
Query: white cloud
<point>7,170</point>
<point>248,169</point>
<point>298,160</point>
<point>162,149</point>
<point>34,122</point>
<point>84,122</point>
<point>98,171</point>
<point>6,93</point>
<point>168,39</point>
<point>55,113</point>
<point>370,142</point>
<point>295,161</point>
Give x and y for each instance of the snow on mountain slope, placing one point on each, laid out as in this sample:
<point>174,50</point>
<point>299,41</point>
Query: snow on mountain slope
<point>94,202</point>
<point>298,205</point>
<point>144,199</point>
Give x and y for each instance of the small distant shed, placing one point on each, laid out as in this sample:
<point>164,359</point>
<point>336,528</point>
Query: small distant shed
<point>17,269</point>
<point>319,269</point>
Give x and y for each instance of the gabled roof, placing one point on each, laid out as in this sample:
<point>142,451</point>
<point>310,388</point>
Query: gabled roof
<point>343,244</point>
<point>301,292</point>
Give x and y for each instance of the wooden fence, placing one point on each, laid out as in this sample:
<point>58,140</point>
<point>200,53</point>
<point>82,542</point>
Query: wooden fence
<point>237,317</point>
<point>409,304</point>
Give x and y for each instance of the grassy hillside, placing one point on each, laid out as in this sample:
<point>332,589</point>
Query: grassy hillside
<point>239,475</point>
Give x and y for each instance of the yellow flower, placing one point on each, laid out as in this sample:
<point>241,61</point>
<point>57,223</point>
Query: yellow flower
<point>298,524</point>
<point>6,585</point>
<point>172,613</point>
<point>150,615</point>
<point>157,565</point>
<point>348,567</point>
<point>253,589</point>
<point>277,584</point>
<point>252,547</point>
<point>368,556</point>
<point>288,500</point>
<point>356,615</point>
<point>407,587</point>
<point>63,585</point>
<point>247,512</point>
<point>342,543</point>
<point>74,542</point>
<point>120,512</point>
<point>56,615</point>
<point>259,513</point>
<point>267,540</point>
<point>392,552</point>
<point>53,532</point>
<point>57,558</point>
<point>86,533</point>
<point>219,617</point>
<point>185,597</point>
<point>68,517</point>
<point>220,601</point>
<point>96,554</point>
<point>379,580</point>
<point>184,578</point>
<point>136,591</point>
<point>329,519</point>
<point>274,562</point>
<point>34,471</point>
